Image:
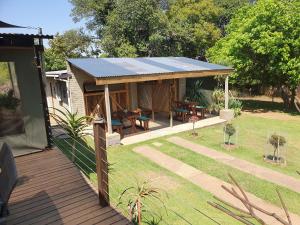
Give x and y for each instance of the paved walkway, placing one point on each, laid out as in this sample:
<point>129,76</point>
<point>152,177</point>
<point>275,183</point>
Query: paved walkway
<point>209,183</point>
<point>170,130</point>
<point>240,164</point>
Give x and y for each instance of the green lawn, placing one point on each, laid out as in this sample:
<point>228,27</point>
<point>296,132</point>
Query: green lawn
<point>183,197</point>
<point>252,140</point>
<point>261,188</point>
<point>184,202</point>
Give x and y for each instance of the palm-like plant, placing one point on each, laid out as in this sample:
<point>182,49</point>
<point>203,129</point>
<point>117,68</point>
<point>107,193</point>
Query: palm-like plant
<point>136,196</point>
<point>73,124</point>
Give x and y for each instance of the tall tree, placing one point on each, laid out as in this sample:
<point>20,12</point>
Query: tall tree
<point>95,12</point>
<point>263,45</point>
<point>229,9</point>
<point>136,28</point>
<point>71,44</point>
<point>194,26</point>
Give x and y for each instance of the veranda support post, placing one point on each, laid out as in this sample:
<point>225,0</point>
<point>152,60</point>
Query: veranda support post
<point>107,107</point>
<point>101,162</point>
<point>226,92</point>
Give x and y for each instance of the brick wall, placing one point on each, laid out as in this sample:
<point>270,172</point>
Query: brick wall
<point>76,89</point>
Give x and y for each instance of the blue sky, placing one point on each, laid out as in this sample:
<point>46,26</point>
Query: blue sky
<point>52,15</point>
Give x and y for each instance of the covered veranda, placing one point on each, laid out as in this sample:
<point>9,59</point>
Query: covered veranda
<point>148,92</point>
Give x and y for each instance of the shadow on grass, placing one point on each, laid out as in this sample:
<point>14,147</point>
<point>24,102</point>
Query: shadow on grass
<point>260,106</point>
<point>84,155</point>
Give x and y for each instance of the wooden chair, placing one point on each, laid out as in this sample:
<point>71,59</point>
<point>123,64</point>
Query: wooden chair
<point>143,119</point>
<point>181,112</point>
<point>117,126</point>
<point>8,178</point>
<point>202,110</point>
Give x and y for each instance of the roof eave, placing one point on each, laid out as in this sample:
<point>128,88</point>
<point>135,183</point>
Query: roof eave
<point>161,76</point>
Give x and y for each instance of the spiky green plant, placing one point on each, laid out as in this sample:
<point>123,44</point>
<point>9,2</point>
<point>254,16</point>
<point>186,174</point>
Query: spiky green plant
<point>136,196</point>
<point>74,125</point>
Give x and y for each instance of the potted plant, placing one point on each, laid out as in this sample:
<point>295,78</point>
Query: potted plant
<point>229,131</point>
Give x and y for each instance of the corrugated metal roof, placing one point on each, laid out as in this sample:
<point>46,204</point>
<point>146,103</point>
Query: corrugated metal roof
<point>117,67</point>
<point>17,35</point>
<point>63,74</point>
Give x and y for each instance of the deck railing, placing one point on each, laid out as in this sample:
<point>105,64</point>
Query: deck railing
<point>92,159</point>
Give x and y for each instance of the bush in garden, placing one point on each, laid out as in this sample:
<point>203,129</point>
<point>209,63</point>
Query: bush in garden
<point>230,130</point>
<point>276,141</point>
<point>236,105</point>
<point>218,99</point>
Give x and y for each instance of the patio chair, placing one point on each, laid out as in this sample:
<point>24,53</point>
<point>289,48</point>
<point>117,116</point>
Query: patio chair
<point>202,110</point>
<point>8,178</point>
<point>143,118</point>
<point>180,111</point>
<point>117,126</point>
<point>144,121</point>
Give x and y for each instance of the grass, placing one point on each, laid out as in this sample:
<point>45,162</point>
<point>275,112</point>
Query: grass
<point>266,105</point>
<point>185,203</point>
<point>185,198</point>
<point>252,140</point>
<point>261,188</point>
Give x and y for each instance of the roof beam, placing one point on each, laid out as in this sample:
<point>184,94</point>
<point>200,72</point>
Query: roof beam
<point>160,76</point>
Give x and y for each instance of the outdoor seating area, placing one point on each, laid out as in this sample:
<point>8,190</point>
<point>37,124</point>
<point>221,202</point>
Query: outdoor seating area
<point>141,120</point>
<point>185,109</point>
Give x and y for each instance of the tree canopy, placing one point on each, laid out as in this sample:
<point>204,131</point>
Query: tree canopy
<point>263,45</point>
<point>156,27</point>
<point>136,28</point>
<point>194,26</point>
<point>71,44</point>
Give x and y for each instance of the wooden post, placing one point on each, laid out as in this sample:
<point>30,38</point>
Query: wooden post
<point>170,103</point>
<point>101,162</point>
<point>107,107</point>
<point>153,116</point>
<point>226,92</point>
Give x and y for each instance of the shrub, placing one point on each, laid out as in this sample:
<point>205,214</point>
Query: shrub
<point>218,98</point>
<point>236,105</point>
<point>230,130</point>
<point>8,101</point>
<point>276,141</point>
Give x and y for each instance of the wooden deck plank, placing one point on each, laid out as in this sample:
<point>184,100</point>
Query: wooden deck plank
<point>51,190</point>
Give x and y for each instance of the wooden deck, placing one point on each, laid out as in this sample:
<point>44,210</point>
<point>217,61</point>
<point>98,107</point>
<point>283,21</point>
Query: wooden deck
<point>51,190</point>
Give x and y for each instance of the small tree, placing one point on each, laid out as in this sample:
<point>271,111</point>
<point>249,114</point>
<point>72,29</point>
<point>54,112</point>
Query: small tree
<point>276,141</point>
<point>230,130</point>
<point>136,196</point>
<point>73,124</point>
<point>194,119</point>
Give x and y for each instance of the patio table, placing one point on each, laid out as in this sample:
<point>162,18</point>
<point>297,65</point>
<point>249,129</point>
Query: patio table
<point>132,117</point>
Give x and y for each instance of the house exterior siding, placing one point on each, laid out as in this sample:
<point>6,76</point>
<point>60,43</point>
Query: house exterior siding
<point>76,89</point>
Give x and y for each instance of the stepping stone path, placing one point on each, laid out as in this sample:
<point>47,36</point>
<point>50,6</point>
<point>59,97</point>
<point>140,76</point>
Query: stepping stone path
<point>157,144</point>
<point>210,183</point>
<point>240,164</point>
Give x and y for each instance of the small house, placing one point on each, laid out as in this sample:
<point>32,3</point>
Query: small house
<point>104,86</point>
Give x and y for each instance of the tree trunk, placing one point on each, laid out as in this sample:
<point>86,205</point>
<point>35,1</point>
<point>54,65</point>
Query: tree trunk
<point>139,212</point>
<point>274,153</point>
<point>288,96</point>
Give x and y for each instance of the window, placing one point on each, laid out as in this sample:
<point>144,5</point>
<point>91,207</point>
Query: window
<point>61,92</point>
<point>11,119</point>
